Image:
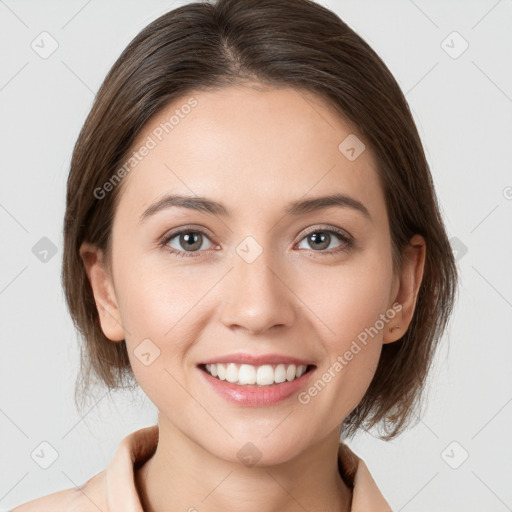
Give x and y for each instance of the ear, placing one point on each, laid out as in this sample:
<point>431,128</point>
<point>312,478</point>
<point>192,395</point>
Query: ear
<point>406,288</point>
<point>103,290</point>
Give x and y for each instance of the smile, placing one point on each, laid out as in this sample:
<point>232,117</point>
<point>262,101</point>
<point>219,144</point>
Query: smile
<point>264,375</point>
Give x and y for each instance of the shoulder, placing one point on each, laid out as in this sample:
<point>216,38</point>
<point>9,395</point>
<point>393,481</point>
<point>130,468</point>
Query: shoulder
<point>112,489</point>
<point>88,498</point>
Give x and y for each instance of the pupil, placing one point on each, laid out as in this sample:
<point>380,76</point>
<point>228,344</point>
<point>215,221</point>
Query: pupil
<point>191,240</point>
<point>319,239</point>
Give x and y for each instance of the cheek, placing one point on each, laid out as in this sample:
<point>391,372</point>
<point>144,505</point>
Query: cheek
<point>350,307</point>
<point>155,311</point>
<point>156,297</point>
<point>350,298</point>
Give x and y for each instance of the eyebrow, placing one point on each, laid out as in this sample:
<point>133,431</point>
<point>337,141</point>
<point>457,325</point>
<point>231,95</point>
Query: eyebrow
<point>296,208</point>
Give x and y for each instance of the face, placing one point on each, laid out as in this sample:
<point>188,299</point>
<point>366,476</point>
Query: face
<point>246,281</point>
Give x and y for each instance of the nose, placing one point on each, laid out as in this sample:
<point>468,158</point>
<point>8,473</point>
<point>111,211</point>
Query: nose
<point>257,295</point>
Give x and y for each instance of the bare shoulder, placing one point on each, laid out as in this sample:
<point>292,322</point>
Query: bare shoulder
<point>88,498</point>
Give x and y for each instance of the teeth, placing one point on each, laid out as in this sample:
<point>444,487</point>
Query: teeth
<point>247,374</point>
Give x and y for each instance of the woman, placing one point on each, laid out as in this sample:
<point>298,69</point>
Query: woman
<point>253,237</point>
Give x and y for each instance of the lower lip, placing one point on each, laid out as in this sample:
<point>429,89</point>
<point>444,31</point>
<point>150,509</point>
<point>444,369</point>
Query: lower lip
<point>256,396</point>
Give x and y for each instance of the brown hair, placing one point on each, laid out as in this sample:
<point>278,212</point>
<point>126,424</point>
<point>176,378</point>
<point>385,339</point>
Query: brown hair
<point>295,43</point>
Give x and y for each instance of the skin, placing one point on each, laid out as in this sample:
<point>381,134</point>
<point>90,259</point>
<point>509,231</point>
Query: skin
<point>255,149</point>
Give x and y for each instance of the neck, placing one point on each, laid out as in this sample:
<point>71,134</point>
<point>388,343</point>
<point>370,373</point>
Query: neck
<point>183,476</point>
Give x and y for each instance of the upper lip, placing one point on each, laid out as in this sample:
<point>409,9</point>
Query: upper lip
<point>260,360</point>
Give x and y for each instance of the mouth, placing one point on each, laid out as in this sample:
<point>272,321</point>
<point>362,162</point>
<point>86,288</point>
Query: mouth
<point>260,376</point>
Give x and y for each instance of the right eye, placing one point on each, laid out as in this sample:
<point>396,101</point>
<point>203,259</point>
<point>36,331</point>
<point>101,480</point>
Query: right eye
<point>187,239</point>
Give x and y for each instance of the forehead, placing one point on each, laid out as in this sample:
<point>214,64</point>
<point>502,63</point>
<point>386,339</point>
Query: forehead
<point>250,146</point>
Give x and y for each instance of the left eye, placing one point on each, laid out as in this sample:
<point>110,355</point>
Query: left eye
<point>322,238</point>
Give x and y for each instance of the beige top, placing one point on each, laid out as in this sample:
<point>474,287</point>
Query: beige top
<point>113,489</point>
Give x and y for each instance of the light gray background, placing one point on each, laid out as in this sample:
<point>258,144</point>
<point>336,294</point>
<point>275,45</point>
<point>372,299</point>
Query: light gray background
<point>463,109</point>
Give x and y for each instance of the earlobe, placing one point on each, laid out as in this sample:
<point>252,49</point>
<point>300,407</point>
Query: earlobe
<point>410,279</point>
<point>103,290</point>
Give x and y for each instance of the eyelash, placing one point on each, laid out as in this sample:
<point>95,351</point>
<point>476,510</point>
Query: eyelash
<point>348,242</point>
